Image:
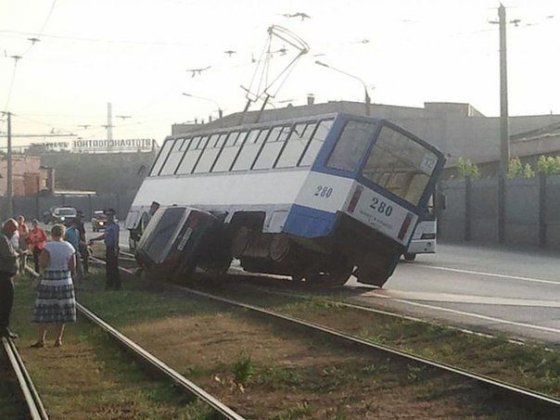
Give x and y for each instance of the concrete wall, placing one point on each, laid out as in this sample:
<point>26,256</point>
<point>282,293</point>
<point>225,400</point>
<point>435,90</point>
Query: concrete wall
<point>531,211</point>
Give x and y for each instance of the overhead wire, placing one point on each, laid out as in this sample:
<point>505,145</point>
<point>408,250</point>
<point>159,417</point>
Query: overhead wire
<point>18,57</point>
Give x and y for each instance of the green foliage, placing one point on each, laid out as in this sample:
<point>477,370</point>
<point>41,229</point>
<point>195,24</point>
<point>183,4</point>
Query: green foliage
<point>300,411</point>
<point>528,171</point>
<point>467,168</point>
<point>243,369</point>
<point>517,170</point>
<point>415,373</point>
<point>549,165</point>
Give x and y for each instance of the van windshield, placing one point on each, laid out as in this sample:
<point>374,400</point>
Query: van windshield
<point>160,234</point>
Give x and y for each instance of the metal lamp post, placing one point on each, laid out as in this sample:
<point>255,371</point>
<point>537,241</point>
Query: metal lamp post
<point>367,99</point>
<point>220,112</point>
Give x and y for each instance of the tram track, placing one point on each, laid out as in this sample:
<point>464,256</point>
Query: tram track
<point>510,392</point>
<point>34,408</point>
<point>219,409</point>
<point>529,398</point>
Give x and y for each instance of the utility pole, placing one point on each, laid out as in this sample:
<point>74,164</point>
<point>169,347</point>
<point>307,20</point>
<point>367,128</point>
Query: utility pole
<point>504,117</point>
<point>9,175</point>
<point>504,126</point>
<point>109,121</point>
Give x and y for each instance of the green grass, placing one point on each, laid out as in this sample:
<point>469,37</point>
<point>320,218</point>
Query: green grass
<point>90,376</point>
<point>532,365</point>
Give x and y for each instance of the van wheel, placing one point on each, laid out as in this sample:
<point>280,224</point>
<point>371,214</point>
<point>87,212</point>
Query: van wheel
<point>409,256</point>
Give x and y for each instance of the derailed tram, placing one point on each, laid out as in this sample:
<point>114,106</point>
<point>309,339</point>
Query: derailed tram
<point>316,198</point>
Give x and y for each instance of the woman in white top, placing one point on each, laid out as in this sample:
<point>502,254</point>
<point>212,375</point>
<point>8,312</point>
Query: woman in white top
<point>55,301</point>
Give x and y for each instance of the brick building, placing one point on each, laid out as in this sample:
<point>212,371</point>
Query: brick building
<point>29,177</point>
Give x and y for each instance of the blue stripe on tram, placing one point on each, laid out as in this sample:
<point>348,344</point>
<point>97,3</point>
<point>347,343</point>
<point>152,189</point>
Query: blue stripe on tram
<point>308,222</point>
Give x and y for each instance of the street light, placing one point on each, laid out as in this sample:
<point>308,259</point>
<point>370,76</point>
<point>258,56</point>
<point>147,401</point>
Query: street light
<point>220,112</point>
<point>367,99</point>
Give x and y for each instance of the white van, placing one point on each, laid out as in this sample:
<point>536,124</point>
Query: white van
<point>423,239</point>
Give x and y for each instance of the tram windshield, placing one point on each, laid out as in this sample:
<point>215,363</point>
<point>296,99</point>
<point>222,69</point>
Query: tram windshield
<point>400,165</point>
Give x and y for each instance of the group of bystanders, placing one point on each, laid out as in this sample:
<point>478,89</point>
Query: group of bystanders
<point>59,262</point>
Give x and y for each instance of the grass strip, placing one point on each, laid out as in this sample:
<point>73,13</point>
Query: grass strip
<point>89,376</point>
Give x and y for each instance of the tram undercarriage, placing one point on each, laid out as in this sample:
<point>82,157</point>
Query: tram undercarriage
<point>328,260</point>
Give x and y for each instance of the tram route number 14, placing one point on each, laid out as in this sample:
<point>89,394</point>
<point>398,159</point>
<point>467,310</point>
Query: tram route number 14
<point>381,206</point>
<point>323,191</point>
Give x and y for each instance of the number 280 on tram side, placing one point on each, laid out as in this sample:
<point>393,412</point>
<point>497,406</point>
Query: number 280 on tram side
<point>316,198</point>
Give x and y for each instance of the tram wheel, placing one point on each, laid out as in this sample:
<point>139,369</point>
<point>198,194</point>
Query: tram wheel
<point>335,277</point>
<point>219,267</point>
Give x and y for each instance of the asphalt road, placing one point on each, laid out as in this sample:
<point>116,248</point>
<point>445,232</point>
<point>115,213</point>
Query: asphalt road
<point>481,288</point>
<point>488,289</point>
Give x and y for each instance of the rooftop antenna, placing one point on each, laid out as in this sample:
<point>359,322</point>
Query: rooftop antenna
<point>264,89</point>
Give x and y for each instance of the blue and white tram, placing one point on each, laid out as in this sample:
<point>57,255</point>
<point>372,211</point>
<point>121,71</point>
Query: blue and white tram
<point>316,198</point>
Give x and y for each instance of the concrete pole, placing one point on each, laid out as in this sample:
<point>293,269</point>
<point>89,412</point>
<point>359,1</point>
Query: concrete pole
<point>504,117</point>
<point>504,127</point>
<point>9,180</point>
<point>109,121</point>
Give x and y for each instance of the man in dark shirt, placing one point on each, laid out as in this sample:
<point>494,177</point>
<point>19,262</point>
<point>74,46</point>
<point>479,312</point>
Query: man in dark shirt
<point>111,239</point>
<point>8,269</point>
<point>84,251</point>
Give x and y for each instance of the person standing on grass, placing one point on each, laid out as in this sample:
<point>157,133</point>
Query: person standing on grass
<point>111,239</point>
<point>8,269</point>
<point>36,240</point>
<point>84,251</point>
<point>72,236</point>
<point>55,303</point>
<point>23,233</point>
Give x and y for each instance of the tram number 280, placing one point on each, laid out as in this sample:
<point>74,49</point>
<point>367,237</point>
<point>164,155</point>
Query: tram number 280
<point>323,191</point>
<point>381,206</point>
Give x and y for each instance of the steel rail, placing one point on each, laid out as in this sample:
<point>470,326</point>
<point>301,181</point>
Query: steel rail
<point>220,408</point>
<point>365,308</point>
<point>516,391</point>
<point>504,387</point>
<point>31,396</point>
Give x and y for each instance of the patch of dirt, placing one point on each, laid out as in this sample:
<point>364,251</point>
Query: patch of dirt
<point>295,377</point>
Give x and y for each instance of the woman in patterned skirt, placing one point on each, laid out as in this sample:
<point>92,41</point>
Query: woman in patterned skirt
<point>55,302</point>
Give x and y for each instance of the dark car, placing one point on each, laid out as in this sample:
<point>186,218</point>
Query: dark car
<point>176,240</point>
<point>59,214</point>
<point>98,221</point>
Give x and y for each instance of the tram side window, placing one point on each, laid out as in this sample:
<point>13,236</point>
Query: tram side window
<point>212,150</point>
<point>300,135</point>
<point>400,165</point>
<point>173,159</point>
<point>162,156</point>
<point>249,150</point>
<point>351,145</point>
<point>314,145</point>
<point>229,152</point>
<point>272,147</point>
<point>191,155</point>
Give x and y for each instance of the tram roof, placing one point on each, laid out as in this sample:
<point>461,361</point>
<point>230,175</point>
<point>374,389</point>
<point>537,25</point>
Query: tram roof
<point>268,123</point>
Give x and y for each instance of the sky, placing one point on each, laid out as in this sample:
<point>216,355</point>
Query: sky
<point>79,55</point>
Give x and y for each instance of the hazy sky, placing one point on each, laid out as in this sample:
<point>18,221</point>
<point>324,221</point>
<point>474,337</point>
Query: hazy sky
<point>135,54</point>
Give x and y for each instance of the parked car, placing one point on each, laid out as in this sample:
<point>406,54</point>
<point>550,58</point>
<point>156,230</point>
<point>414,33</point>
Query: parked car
<point>98,221</point>
<point>59,214</point>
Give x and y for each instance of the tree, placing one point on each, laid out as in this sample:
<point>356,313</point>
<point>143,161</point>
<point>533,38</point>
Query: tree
<point>467,168</point>
<point>517,170</point>
<point>549,165</point>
